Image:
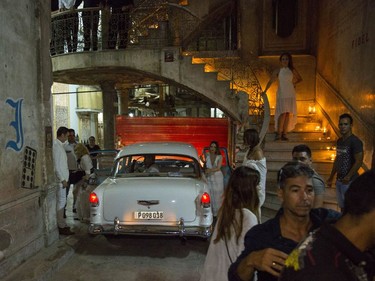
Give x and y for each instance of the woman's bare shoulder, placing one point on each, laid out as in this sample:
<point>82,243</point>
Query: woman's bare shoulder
<point>258,153</point>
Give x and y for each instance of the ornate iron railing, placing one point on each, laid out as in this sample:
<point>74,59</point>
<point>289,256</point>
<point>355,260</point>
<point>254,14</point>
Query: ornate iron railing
<point>243,78</point>
<point>154,24</point>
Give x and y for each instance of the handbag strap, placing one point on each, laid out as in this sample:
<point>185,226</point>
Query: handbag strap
<point>226,246</point>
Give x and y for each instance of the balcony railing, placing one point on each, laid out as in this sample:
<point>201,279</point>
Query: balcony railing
<point>95,29</point>
<point>147,26</point>
<point>152,26</point>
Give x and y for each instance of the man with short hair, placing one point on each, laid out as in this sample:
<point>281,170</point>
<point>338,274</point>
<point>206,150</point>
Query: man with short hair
<point>75,175</point>
<point>340,251</point>
<point>92,146</point>
<point>302,153</point>
<point>349,158</point>
<point>267,245</point>
<point>60,164</point>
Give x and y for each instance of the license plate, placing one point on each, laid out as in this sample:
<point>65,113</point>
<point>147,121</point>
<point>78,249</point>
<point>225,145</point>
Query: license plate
<point>148,215</point>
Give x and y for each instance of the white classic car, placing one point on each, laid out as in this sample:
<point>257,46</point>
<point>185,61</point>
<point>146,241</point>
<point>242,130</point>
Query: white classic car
<point>155,188</point>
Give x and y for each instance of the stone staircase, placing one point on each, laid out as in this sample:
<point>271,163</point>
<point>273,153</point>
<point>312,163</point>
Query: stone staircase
<point>279,152</point>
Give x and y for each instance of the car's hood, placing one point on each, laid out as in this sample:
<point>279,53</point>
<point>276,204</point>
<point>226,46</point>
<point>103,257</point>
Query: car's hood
<point>176,198</point>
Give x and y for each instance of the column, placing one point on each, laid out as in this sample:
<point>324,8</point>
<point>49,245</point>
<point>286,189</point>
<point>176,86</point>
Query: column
<point>123,101</point>
<point>161,101</point>
<point>109,114</point>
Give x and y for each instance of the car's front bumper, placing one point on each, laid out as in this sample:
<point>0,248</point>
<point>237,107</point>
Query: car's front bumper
<point>180,229</point>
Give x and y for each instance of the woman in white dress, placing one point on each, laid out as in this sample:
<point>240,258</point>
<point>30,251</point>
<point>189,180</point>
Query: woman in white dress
<point>238,213</point>
<point>286,108</point>
<point>215,176</point>
<point>254,156</point>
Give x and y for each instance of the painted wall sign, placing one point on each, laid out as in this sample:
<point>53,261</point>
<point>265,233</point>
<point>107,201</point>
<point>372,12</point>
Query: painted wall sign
<point>360,40</point>
<point>16,144</point>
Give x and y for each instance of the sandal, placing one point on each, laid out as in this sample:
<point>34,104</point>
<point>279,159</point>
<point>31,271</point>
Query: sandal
<point>284,138</point>
<point>277,137</point>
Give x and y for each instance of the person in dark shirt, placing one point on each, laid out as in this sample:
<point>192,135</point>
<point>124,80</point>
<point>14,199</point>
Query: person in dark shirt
<point>119,22</point>
<point>349,158</point>
<point>90,23</point>
<point>342,251</point>
<point>92,146</point>
<point>267,245</point>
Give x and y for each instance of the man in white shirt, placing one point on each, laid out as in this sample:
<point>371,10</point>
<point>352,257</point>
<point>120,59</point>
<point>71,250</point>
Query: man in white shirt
<point>74,175</point>
<point>60,164</point>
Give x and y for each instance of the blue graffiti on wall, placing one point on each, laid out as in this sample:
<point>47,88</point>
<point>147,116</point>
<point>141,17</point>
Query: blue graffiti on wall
<point>16,124</point>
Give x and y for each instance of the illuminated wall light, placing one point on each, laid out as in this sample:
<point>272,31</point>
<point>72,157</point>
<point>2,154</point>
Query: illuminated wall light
<point>333,156</point>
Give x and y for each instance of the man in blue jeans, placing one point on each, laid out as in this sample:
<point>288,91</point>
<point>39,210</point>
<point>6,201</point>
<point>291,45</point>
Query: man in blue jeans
<point>349,158</point>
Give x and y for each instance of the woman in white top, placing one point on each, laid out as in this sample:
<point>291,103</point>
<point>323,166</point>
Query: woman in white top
<point>238,213</point>
<point>84,159</point>
<point>286,109</point>
<point>254,156</point>
<point>215,176</point>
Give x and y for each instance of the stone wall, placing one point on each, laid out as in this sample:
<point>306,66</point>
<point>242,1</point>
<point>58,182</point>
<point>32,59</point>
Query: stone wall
<point>346,64</point>
<point>27,216</point>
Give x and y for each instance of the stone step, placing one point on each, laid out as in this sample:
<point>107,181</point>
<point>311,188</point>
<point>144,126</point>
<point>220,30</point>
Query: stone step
<point>298,136</point>
<point>301,118</point>
<point>285,145</point>
<point>322,159</point>
<point>317,154</point>
<point>271,185</point>
<point>272,201</point>
<point>300,126</point>
<point>272,173</point>
<point>276,164</point>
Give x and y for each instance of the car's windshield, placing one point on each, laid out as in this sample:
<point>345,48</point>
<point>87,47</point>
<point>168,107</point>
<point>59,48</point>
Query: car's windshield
<point>102,161</point>
<point>147,165</point>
